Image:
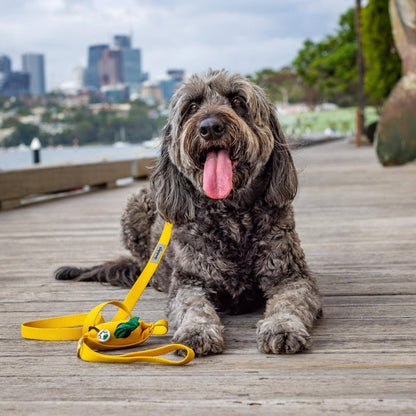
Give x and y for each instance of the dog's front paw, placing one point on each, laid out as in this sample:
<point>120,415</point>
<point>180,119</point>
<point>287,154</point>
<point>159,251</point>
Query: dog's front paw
<point>204,339</point>
<point>282,335</point>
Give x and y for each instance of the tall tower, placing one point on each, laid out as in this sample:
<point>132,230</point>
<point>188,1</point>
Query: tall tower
<point>110,67</point>
<point>132,66</point>
<point>5,65</point>
<point>5,69</point>
<point>94,56</point>
<point>131,62</point>
<point>34,65</point>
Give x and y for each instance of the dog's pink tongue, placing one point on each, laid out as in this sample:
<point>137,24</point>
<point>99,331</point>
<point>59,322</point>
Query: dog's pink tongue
<point>218,174</point>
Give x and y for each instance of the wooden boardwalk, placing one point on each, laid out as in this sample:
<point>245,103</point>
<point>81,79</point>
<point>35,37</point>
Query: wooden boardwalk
<point>357,223</point>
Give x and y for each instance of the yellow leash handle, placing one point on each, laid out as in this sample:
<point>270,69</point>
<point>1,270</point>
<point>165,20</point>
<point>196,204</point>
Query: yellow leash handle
<point>147,356</point>
<point>96,334</point>
<point>62,328</point>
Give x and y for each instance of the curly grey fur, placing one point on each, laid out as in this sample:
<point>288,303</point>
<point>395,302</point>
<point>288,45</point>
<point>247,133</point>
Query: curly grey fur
<point>234,254</point>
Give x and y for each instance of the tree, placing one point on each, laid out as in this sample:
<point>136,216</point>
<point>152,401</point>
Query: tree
<point>3,101</point>
<point>307,70</point>
<point>23,134</point>
<point>383,64</point>
<point>85,131</point>
<point>10,122</point>
<point>282,85</point>
<point>328,68</point>
<point>139,126</point>
<point>18,106</point>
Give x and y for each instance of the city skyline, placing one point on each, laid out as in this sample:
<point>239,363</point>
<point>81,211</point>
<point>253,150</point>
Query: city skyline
<point>114,71</point>
<point>240,36</point>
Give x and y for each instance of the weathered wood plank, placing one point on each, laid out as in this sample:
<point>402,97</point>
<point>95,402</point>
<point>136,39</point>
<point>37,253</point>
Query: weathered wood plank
<point>240,406</point>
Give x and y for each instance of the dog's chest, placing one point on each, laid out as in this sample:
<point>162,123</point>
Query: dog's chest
<point>219,253</point>
<point>228,237</point>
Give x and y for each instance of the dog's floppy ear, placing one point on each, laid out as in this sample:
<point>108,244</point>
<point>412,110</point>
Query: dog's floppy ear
<point>172,192</point>
<point>283,181</point>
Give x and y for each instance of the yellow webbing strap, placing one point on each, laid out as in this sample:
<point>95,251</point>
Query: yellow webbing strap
<point>86,327</point>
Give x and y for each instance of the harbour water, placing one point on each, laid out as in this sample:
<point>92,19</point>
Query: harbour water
<point>22,157</point>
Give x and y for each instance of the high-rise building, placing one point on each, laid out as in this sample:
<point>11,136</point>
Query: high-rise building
<point>12,84</point>
<point>94,56</point>
<point>131,59</point>
<point>5,69</point>
<point>110,67</point>
<point>15,84</point>
<point>79,74</point>
<point>176,74</point>
<point>5,65</point>
<point>122,41</point>
<point>171,83</point>
<point>34,65</point>
<point>132,64</point>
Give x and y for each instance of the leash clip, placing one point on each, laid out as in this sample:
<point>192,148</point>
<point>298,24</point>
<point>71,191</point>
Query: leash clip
<point>79,345</point>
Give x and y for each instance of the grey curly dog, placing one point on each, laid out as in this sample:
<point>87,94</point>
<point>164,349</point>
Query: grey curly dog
<point>226,180</point>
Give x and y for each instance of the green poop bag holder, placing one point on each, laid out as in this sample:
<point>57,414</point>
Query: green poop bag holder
<point>124,330</point>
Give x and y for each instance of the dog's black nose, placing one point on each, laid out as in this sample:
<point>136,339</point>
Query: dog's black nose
<point>211,128</point>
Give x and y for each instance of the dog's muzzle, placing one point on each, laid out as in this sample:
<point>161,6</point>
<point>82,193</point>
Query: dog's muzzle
<point>218,167</point>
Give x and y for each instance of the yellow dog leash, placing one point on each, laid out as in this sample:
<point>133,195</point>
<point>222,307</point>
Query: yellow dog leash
<point>94,334</point>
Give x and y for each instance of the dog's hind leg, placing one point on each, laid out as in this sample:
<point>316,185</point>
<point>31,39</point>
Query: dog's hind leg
<point>137,221</point>
<point>121,272</point>
<point>136,225</point>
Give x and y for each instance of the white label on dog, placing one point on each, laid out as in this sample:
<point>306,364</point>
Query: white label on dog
<point>157,253</point>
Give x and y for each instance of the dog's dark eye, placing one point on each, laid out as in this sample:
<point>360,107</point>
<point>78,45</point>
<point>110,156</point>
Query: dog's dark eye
<point>193,108</point>
<point>237,101</point>
<point>239,105</point>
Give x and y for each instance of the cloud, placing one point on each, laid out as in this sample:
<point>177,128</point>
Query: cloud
<point>239,35</point>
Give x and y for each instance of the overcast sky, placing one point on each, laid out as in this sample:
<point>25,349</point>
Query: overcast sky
<point>239,35</point>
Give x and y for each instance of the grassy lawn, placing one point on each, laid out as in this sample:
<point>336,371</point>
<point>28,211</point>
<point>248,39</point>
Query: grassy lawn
<point>341,120</point>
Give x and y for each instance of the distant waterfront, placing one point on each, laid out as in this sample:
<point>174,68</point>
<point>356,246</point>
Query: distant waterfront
<point>16,158</point>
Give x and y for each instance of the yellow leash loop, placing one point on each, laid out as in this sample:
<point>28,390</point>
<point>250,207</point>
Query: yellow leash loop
<point>94,333</point>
